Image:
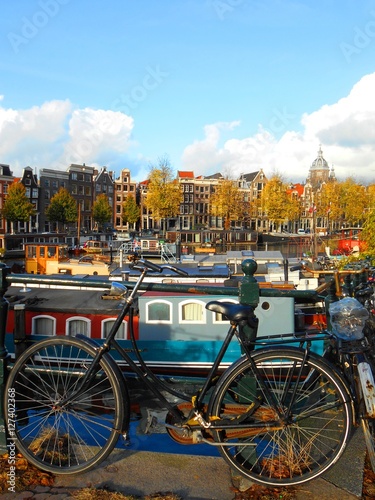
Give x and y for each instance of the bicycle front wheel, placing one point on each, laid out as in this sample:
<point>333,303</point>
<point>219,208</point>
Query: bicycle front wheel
<point>283,421</point>
<point>54,429</point>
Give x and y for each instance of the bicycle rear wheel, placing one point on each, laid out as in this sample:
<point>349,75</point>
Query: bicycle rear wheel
<point>54,429</point>
<point>283,423</point>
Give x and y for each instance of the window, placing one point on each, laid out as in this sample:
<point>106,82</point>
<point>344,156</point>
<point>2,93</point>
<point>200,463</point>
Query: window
<point>192,311</point>
<point>74,176</point>
<point>74,189</point>
<point>51,251</point>
<point>27,182</point>
<point>55,184</point>
<point>107,325</point>
<point>31,252</point>
<point>159,311</point>
<point>43,325</point>
<point>78,325</point>
<point>35,193</point>
<point>46,183</point>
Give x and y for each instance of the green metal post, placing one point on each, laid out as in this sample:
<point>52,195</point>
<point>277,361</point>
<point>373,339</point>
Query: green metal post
<point>4,356</point>
<point>249,288</point>
<point>249,295</point>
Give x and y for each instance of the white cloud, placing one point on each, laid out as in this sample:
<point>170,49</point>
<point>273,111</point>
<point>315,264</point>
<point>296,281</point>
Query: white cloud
<point>54,135</point>
<point>96,134</point>
<point>346,131</point>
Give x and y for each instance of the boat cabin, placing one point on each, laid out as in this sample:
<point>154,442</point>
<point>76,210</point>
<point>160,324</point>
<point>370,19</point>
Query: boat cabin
<point>38,256</point>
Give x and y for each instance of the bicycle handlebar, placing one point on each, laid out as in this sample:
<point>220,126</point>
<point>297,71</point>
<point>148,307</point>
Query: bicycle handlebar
<point>154,267</point>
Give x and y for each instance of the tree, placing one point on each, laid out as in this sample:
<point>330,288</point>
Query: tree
<point>62,208</point>
<point>368,233</point>
<point>101,210</point>
<point>17,207</point>
<point>130,210</point>
<point>227,202</point>
<point>164,195</point>
<point>276,202</point>
<point>353,199</point>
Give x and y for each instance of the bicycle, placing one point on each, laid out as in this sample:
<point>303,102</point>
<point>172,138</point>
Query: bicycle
<point>279,415</point>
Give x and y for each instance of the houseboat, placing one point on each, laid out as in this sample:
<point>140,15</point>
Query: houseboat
<point>176,334</point>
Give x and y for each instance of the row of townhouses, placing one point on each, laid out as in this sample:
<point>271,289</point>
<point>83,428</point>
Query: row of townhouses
<point>86,183</point>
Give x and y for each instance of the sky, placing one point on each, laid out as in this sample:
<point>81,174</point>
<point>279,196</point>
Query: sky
<point>226,86</point>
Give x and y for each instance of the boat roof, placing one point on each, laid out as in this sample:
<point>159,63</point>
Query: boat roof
<point>63,300</point>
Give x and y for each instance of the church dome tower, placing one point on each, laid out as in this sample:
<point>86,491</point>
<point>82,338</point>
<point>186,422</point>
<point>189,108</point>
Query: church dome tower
<point>319,171</point>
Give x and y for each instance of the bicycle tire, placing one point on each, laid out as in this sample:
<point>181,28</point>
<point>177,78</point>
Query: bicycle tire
<point>296,448</point>
<point>70,437</point>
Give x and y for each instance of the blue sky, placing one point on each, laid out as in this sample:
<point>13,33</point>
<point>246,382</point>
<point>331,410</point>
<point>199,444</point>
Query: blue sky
<point>225,86</point>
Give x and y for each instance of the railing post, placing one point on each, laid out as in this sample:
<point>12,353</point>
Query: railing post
<point>20,341</point>
<point>4,356</point>
<point>249,295</point>
<point>249,288</point>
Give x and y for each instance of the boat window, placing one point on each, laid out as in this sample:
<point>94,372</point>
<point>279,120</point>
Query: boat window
<point>78,325</point>
<point>107,325</point>
<point>31,252</point>
<point>51,251</point>
<point>218,317</point>
<point>43,325</point>
<point>42,252</point>
<point>192,311</point>
<point>159,311</point>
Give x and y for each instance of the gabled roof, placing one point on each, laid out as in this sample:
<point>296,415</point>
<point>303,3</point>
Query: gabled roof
<point>214,176</point>
<point>251,176</point>
<point>185,174</point>
<point>300,188</point>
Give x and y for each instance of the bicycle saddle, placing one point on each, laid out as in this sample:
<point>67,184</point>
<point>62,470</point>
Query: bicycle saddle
<point>233,312</point>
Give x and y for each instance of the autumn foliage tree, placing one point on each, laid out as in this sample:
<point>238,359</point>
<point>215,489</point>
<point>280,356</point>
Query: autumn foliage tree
<point>227,202</point>
<point>164,194</point>
<point>62,208</point>
<point>130,210</point>
<point>17,207</point>
<point>276,202</point>
<point>102,212</point>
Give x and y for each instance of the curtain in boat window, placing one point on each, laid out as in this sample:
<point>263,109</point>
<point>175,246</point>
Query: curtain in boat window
<point>43,326</point>
<point>192,311</point>
<point>78,326</point>
<point>107,325</point>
